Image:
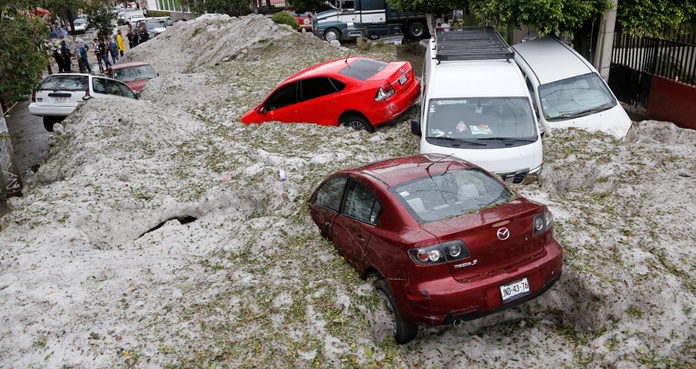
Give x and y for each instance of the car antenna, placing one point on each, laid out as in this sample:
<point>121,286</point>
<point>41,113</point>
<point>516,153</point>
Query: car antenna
<point>347,56</point>
<point>427,169</point>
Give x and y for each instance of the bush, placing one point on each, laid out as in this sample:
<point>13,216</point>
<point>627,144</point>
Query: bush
<point>285,18</point>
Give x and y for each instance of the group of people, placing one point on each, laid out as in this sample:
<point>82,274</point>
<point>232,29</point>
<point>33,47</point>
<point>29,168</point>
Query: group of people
<point>63,56</point>
<point>107,50</point>
<point>137,37</point>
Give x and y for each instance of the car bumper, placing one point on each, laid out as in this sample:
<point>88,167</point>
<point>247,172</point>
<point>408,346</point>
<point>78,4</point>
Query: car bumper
<point>445,302</point>
<point>394,107</point>
<point>52,111</point>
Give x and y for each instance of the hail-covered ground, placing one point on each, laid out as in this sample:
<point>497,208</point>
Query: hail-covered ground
<point>157,233</point>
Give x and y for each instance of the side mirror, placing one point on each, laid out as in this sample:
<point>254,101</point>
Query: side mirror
<point>85,98</point>
<point>262,110</point>
<point>416,128</point>
<point>137,95</point>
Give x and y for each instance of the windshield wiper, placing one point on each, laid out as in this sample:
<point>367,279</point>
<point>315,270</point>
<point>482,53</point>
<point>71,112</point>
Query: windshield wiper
<point>472,142</point>
<point>508,139</point>
<point>583,113</point>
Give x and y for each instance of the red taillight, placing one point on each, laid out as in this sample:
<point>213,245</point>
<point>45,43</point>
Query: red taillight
<point>385,91</point>
<point>33,96</point>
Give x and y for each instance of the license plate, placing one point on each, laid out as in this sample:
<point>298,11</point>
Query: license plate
<point>60,100</point>
<point>403,79</point>
<point>514,290</point>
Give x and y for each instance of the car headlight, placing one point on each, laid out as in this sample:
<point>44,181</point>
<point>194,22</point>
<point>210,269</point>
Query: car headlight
<point>440,253</point>
<point>542,223</point>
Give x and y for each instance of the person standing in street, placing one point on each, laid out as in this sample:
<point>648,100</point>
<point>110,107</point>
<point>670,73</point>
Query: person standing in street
<point>84,57</point>
<point>113,48</point>
<point>119,43</point>
<point>59,58</point>
<point>143,35</point>
<point>65,53</point>
<point>95,47</point>
<point>104,52</point>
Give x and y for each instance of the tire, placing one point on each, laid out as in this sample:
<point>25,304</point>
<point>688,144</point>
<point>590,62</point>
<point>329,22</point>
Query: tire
<point>358,123</point>
<point>49,121</point>
<point>416,30</point>
<point>403,332</point>
<point>332,34</point>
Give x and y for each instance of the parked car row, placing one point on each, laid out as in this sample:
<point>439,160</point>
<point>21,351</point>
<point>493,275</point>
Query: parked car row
<point>442,234</point>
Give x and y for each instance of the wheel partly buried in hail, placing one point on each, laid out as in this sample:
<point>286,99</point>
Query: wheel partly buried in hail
<point>358,123</point>
<point>403,332</point>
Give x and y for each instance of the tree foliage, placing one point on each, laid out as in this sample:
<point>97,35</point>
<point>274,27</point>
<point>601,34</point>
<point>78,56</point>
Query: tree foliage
<point>229,7</point>
<point>654,16</point>
<point>285,18</point>
<point>22,54</point>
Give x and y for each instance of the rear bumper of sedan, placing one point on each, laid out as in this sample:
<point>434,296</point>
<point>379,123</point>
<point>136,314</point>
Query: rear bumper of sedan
<point>393,107</point>
<point>443,302</point>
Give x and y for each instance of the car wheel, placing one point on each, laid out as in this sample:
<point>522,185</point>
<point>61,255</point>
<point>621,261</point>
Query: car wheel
<point>331,34</point>
<point>416,30</point>
<point>49,121</point>
<point>403,332</point>
<point>358,123</point>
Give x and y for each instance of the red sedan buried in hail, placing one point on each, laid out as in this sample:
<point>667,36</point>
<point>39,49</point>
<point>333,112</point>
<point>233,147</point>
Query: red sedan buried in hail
<point>134,74</point>
<point>357,92</point>
<point>445,240</point>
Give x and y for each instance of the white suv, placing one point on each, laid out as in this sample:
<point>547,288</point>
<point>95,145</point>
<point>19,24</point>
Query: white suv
<point>567,90</point>
<point>476,106</point>
<point>59,94</point>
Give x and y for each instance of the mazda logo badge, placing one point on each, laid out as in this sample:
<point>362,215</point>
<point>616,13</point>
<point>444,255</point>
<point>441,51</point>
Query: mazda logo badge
<point>503,234</point>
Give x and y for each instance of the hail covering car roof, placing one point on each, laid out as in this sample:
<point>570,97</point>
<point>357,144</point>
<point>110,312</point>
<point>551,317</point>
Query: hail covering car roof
<point>461,79</point>
<point>401,170</point>
<point>551,60</point>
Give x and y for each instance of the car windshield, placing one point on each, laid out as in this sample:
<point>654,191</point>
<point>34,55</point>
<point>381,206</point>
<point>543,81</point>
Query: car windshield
<point>135,73</point>
<point>576,96</point>
<point>155,24</point>
<point>57,82</point>
<point>451,194</point>
<point>363,68</point>
<point>479,119</point>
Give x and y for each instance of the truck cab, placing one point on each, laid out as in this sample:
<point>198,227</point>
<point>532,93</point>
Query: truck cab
<point>366,18</point>
<point>476,106</point>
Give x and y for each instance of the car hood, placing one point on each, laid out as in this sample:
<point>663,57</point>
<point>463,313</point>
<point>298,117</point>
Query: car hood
<point>613,121</point>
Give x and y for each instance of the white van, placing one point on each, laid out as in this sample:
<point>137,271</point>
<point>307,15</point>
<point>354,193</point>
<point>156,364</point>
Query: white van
<point>566,89</point>
<point>133,17</point>
<point>476,106</point>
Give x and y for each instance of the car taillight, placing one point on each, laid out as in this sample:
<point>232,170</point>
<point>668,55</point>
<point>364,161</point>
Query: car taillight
<point>542,223</point>
<point>385,91</point>
<point>33,96</point>
<point>440,253</point>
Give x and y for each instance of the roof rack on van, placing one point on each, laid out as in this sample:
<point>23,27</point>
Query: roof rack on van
<point>471,44</point>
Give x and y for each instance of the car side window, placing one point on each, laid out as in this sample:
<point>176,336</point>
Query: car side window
<point>112,88</point>
<point>532,94</point>
<point>286,95</point>
<point>99,85</point>
<point>361,203</point>
<point>318,87</point>
<point>125,90</point>
<point>330,194</point>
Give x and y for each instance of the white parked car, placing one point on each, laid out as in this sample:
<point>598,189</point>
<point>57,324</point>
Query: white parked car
<point>475,105</point>
<point>80,25</point>
<point>59,94</point>
<point>566,89</point>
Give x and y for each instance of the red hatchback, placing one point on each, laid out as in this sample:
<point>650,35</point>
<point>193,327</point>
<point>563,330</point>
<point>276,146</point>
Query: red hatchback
<point>357,92</point>
<point>134,74</point>
<point>446,240</point>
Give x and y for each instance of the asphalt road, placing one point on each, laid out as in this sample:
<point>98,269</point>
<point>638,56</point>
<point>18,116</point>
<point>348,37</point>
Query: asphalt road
<point>29,142</point>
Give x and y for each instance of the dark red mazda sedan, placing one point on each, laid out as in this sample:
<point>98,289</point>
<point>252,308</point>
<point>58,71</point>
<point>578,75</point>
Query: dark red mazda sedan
<point>446,240</point>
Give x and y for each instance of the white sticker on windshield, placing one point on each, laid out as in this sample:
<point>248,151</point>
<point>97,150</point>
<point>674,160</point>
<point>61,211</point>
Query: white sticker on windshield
<point>404,193</point>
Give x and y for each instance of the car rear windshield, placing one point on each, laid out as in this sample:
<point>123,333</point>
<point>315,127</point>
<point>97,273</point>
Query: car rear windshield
<point>451,194</point>
<point>135,73</point>
<point>364,68</point>
<point>58,82</point>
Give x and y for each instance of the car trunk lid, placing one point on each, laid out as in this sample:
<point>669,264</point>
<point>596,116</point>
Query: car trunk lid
<point>497,238</point>
<point>399,75</point>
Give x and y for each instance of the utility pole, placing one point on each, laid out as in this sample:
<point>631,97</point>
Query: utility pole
<point>605,41</point>
<point>10,181</point>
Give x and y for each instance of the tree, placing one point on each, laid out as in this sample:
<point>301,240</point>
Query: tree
<point>229,7</point>
<point>22,54</point>
<point>650,17</point>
